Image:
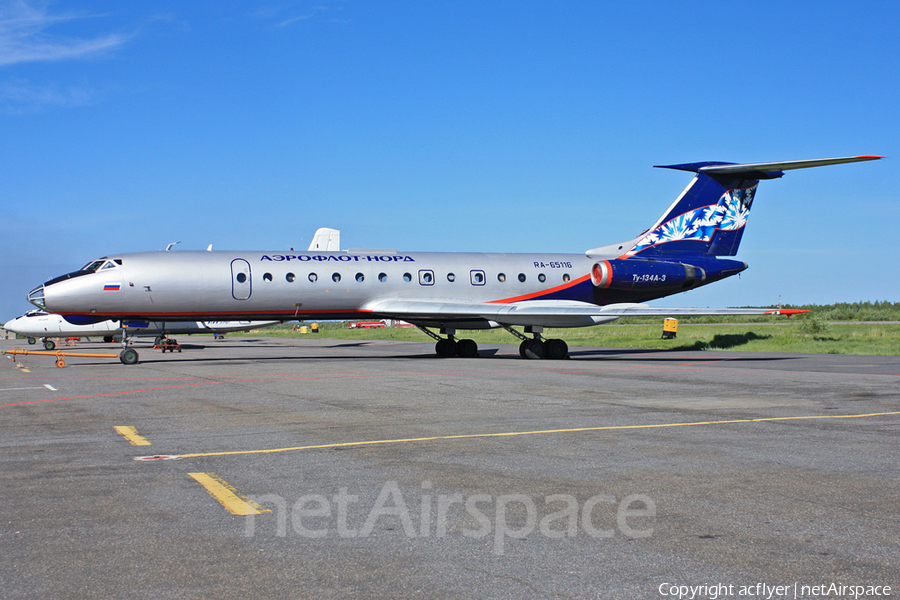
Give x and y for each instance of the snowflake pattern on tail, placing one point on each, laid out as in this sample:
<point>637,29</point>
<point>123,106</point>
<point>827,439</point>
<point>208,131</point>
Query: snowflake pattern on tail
<point>729,214</point>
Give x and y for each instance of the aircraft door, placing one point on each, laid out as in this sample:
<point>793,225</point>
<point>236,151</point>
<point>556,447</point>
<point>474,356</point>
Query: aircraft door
<point>241,286</point>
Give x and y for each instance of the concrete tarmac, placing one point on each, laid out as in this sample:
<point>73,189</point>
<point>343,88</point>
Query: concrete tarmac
<point>376,470</point>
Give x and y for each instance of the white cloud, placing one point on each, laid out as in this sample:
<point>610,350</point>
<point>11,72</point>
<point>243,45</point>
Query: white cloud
<point>21,96</point>
<point>24,36</point>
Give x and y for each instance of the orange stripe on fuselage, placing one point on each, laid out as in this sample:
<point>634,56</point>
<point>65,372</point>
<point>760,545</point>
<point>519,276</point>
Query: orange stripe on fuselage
<point>558,288</point>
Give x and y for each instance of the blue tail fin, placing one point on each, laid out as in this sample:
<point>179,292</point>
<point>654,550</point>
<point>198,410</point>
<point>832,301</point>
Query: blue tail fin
<point>710,214</point>
<point>707,218</point>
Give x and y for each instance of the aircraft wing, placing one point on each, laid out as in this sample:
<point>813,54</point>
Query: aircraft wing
<point>547,313</point>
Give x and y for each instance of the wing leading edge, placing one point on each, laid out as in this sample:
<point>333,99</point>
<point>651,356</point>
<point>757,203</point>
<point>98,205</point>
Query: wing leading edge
<point>545,313</point>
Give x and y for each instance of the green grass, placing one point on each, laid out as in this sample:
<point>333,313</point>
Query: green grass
<point>810,335</point>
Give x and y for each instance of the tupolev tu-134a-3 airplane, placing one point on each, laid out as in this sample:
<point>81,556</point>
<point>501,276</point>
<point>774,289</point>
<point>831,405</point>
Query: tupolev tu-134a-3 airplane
<point>447,292</point>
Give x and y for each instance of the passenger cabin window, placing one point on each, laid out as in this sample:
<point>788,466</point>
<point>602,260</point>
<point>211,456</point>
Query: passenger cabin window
<point>313,277</point>
<point>290,277</point>
<point>477,277</point>
<point>542,278</point>
<point>267,277</point>
<point>501,277</point>
<point>336,277</point>
<point>522,277</point>
<point>426,277</point>
<point>360,277</point>
<point>451,277</point>
<point>407,277</point>
<point>382,277</point>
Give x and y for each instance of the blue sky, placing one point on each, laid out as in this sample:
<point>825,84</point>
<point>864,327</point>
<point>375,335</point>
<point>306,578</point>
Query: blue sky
<point>433,126</point>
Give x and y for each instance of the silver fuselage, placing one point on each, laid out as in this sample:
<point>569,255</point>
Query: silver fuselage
<point>189,286</point>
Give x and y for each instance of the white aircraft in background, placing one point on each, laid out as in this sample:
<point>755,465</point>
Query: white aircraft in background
<point>682,250</point>
<point>38,324</point>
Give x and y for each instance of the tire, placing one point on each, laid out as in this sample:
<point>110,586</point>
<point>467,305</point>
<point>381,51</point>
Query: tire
<point>467,349</point>
<point>32,341</point>
<point>535,349</point>
<point>128,356</point>
<point>49,344</point>
<point>556,349</point>
<point>446,348</point>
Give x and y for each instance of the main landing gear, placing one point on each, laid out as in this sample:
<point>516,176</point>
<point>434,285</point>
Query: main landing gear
<point>537,346</point>
<point>534,347</point>
<point>449,346</point>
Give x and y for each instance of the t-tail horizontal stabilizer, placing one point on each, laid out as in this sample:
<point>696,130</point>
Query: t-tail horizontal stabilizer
<point>766,170</point>
<point>709,216</point>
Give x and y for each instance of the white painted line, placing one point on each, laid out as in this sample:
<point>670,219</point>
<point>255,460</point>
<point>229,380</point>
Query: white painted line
<point>50,387</point>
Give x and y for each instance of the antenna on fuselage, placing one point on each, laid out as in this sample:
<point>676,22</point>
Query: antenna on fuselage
<point>169,247</point>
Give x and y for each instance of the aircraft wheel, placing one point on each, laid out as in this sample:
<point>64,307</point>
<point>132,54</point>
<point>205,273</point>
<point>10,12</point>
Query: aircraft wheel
<point>446,348</point>
<point>522,349</point>
<point>535,349</point>
<point>32,341</point>
<point>158,340</point>
<point>467,349</point>
<point>128,356</point>
<point>556,349</point>
<point>49,344</point>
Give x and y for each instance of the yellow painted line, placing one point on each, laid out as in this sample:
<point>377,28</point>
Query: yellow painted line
<point>227,495</point>
<point>520,433</point>
<point>130,433</point>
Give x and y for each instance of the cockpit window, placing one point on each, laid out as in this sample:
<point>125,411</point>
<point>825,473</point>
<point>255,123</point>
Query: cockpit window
<point>108,265</point>
<point>92,266</point>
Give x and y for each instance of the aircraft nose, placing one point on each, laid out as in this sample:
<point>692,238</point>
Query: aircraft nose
<point>36,297</point>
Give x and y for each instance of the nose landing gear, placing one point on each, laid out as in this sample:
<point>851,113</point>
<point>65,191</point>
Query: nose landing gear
<point>128,356</point>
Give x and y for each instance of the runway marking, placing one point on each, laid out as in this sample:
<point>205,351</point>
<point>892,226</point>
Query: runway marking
<point>227,495</point>
<point>240,381</point>
<point>521,433</point>
<point>165,387</point>
<point>50,387</point>
<point>19,389</point>
<point>130,433</point>
<point>398,374</point>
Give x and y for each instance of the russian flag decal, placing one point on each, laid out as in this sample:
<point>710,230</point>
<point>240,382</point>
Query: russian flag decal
<point>111,287</point>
